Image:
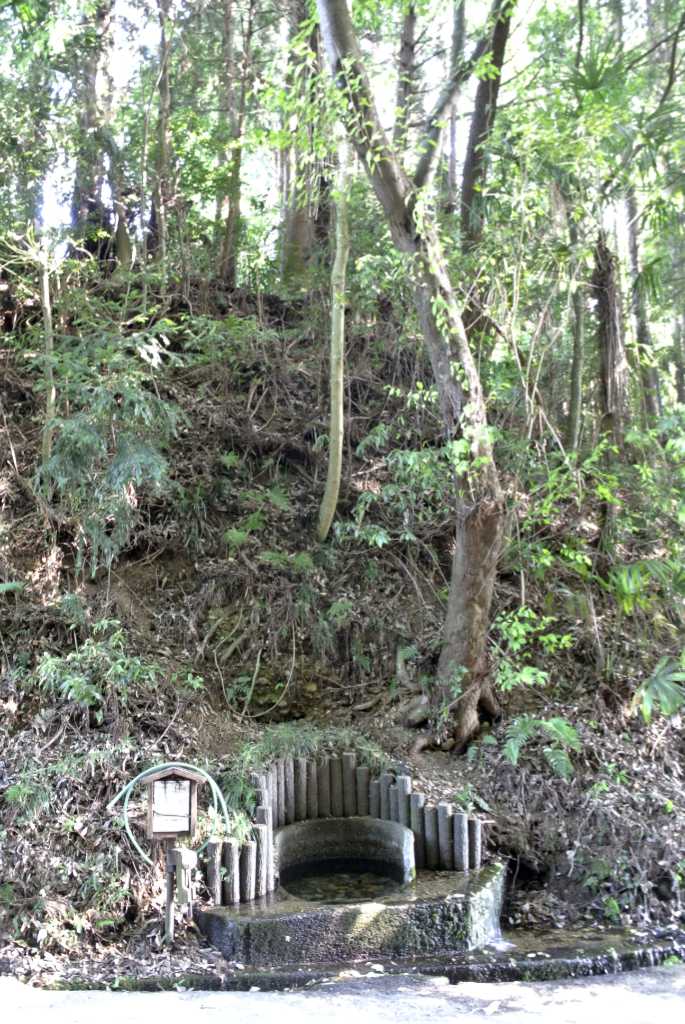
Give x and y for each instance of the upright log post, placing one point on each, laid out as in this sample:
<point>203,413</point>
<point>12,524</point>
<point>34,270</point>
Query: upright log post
<point>386,780</point>
<point>362,781</point>
<point>289,790</point>
<point>231,881</point>
<point>248,871</point>
<point>416,805</point>
<point>337,802</point>
<point>214,852</point>
<point>375,798</point>
<point>312,790</point>
<point>446,836</point>
<point>461,842</point>
<point>475,843</point>
<point>430,817</point>
<point>324,779</point>
<point>300,789</point>
<point>403,792</point>
<point>349,764</point>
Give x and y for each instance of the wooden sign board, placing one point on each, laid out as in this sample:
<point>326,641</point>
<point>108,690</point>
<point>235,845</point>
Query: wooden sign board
<point>172,804</point>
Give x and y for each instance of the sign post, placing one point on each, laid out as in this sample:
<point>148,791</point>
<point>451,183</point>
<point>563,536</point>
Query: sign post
<point>172,813</point>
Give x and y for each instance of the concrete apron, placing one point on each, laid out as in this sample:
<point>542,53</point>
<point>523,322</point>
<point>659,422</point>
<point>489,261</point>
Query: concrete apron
<point>434,913</point>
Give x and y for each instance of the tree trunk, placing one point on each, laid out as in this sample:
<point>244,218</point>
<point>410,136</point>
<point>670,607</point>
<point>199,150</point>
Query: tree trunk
<point>578,327</point>
<point>475,167</point>
<point>298,231</point>
<point>456,57</point>
<point>88,214</point>
<point>679,354</point>
<point>33,168</point>
<point>162,189</point>
<point>49,351</point>
<point>649,377</point>
<point>226,110</point>
<point>123,244</point>
<point>575,418</point>
<point>482,123</point>
<point>228,269</point>
<point>235,86</point>
<point>406,78</point>
<point>463,670</point>
<point>479,503</point>
<point>338,274</point>
<point>610,342</point>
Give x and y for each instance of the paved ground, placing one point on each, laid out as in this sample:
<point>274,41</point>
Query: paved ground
<point>655,996</point>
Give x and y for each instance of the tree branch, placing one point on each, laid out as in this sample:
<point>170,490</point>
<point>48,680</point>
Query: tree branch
<point>485,110</point>
<point>670,81</point>
<point>390,181</point>
<point>633,151</point>
<point>581,32</point>
<point>433,125</point>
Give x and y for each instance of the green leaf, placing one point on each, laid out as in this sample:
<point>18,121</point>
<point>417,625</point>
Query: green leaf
<point>277,558</point>
<point>562,731</point>
<point>663,689</point>
<point>303,562</point>
<point>255,521</point>
<point>511,750</point>
<point>235,537</point>
<point>229,460</point>
<point>279,499</point>
<point>559,762</point>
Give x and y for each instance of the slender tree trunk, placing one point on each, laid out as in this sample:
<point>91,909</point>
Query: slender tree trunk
<point>235,86</point>
<point>32,170</point>
<point>123,244</point>
<point>162,190</point>
<point>578,358</point>
<point>575,418</point>
<point>49,351</point>
<point>613,378</point>
<point>338,279</point>
<point>88,214</point>
<point>456,57</point>
<point>463,677</point>
<point>679,355</point>
<point>406,78</point>
<point>229,247</point>
<point>649,376</point>
<point>475,168</point>
<point>482,123</point>
<point>298,231</point>
<point>479,503</point>
<point>611,344</point>
<point>226,110</point>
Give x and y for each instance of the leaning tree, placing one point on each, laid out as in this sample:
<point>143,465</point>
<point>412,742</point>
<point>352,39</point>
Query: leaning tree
<point>462,678</point>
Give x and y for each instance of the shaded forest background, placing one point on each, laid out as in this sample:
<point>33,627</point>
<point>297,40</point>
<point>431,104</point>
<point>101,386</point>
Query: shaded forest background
<point>487,203</point>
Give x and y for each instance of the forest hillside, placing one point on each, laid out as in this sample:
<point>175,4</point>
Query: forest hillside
<point>342,403</point>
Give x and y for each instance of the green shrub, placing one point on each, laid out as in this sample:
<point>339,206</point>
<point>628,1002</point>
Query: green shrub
<point>98,675</point>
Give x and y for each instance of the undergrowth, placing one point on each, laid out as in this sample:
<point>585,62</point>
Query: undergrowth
<point>210,523</point>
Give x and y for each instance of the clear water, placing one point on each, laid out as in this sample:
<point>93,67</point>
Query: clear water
<point>348,886</point>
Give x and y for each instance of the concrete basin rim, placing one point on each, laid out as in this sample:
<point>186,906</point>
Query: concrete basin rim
<point>478,883</point>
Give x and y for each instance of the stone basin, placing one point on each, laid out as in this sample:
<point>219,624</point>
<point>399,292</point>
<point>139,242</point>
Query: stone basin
<point>437,913</point>
<point>328,844</point>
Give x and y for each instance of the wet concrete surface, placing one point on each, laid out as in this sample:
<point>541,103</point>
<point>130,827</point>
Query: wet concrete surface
<point>438,912</point>
<point>652,996</point>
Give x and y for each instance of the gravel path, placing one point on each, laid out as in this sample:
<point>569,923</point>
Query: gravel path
<point>655,996</point>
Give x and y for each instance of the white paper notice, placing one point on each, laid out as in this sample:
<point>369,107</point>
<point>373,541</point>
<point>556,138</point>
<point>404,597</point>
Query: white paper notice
<point>171,806</point>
